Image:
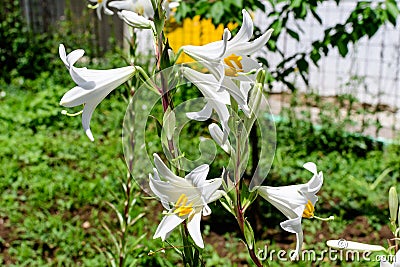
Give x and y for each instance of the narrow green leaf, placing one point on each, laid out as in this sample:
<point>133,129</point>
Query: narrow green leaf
<point>158,124</point>
<point>392,10</point>
<point>293,34</point>
<point>249,234</point>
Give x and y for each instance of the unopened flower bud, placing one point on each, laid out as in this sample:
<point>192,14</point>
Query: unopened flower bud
<point>393,204</point>
<point>135,20</point>
<point>261,76</point>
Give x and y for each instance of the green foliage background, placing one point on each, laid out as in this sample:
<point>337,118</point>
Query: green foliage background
<point>55,183</point>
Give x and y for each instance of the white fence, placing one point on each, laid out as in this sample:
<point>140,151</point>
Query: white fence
<point>46,15</point>
<point>370,70</point>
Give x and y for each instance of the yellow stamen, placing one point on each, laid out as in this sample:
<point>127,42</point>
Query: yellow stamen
<point>234,65</point>
<point>309,210</point>
<point>181,199</point>
<point>140,10</point>
<point>180,206</point>
<point>99,1</point>
<point>64,112</point>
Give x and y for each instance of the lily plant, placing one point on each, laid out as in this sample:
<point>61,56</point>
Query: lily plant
<point>232,84</point>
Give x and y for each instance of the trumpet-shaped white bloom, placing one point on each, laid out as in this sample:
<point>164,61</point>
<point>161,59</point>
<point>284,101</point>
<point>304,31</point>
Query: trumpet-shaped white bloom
<point>101,4</point>
<point>230,57</point>
<point>135,20</point>
<point>141,7</point>
<point>92,85</point>
<point>183,198</point>
<point>295,202</point>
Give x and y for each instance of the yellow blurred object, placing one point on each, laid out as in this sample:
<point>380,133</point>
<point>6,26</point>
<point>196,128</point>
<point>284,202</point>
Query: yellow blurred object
<point>194,32</point>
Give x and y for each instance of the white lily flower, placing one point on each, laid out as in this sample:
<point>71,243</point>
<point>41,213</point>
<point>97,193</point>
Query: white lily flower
<point>141,7</point>
<point>351,245</point>
<point>218,96</point>
<point>92,85</point>
<point>135,20</point>
<point>189,197</point>
<point>216,99</point>
<point>295,202</point>
<point>101,4</point>
<point>230,57</point>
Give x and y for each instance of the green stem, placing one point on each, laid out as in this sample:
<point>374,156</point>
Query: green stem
<point>124,230</point>
<point>187,254</point>
<point>239,209</point>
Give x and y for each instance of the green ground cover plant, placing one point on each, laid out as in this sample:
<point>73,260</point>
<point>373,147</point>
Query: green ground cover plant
<point>53,200</point>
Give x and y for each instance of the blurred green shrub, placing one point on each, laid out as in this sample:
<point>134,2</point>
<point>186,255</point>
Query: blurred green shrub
<point>224,12</point>
<point>328,130</point>
<point>21,52</point>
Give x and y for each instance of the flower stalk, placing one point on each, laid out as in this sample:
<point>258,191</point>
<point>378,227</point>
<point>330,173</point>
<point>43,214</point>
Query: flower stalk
<point>239,208</point>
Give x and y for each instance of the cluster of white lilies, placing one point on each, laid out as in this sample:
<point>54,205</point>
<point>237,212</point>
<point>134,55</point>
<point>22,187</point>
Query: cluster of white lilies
<point>231,75</point>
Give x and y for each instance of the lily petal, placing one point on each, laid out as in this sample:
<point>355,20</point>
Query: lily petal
<point>141,7</point>
<point>166,172</point>
<point>252,47</point>
<point>87,115</point>
<point>291,201</point>
<point>294,226</point>
<point>167,224</point>
<point>189,197</point>
<point>199,175</point>
<point>193,226</point>
<point>218,136</point>
<point>310,166</point>
<point>122,5</point>
<point>215,196</point>
<point>207,84</point>
<point>209,189</point>
<point>246,30</point>
<point>201,115</point>
<point>213,51</point>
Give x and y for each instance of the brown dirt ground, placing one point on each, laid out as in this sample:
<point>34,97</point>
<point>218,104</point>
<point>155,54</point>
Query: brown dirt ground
<point>359,230</point>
